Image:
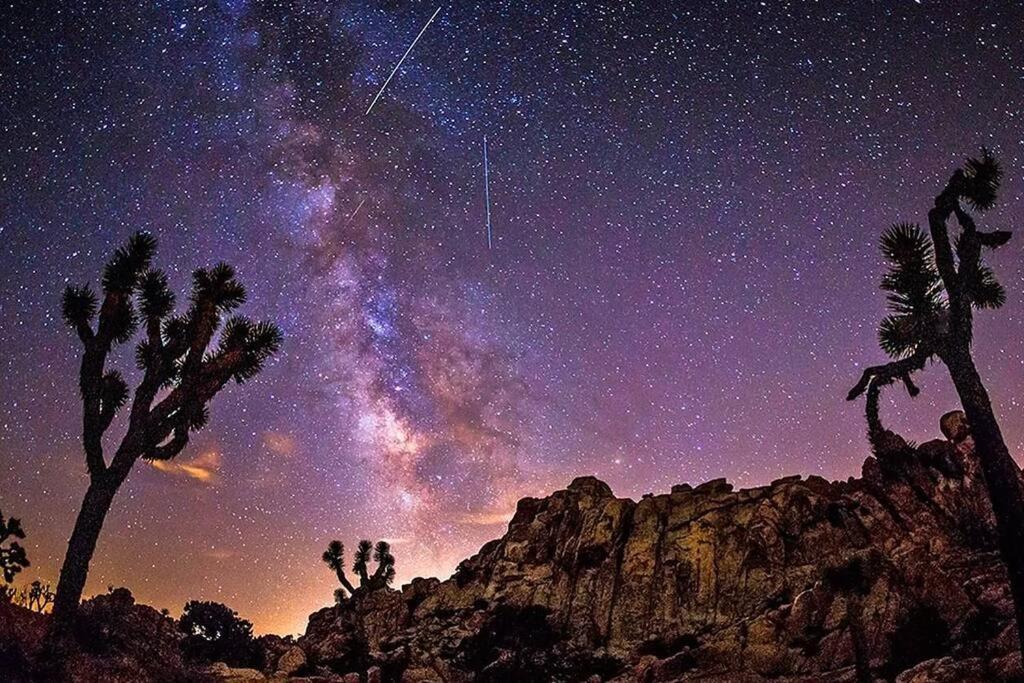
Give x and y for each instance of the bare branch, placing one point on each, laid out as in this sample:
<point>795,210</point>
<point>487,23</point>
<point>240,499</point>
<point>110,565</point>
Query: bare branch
<point>945,204</point>
<point>994,239</point>
<point>890,372</point>
<point>172,447</point>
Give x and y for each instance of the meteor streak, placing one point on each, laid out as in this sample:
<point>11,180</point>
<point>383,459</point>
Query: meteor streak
<point>487,193</point>
<point>353,214</point>
<point>400,61</point>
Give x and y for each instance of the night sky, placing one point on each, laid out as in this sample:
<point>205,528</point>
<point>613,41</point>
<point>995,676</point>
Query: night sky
<point>685,197</point>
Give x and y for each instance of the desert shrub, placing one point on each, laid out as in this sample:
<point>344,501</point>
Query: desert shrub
<point>215,633</point>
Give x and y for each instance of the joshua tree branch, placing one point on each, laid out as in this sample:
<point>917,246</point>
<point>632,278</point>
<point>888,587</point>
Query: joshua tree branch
<point>172,447</point>
<point>885,374</point>
<point>114,303</point>
<point>947,201</point>
<point>200,386</point>
<point>204,324</point>
<point>155,373</point>
<point>994,239</point>
<point>94,424</point>
<point>345,583</point>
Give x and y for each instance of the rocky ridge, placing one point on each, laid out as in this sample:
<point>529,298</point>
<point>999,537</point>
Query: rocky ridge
<point>892,576</point>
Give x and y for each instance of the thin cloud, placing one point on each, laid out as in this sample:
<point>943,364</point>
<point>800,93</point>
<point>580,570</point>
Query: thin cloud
<point>203,468</point>
<point>280,443</point>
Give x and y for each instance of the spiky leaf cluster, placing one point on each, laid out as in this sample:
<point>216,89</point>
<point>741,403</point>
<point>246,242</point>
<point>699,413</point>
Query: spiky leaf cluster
<point>361,558</point>
<point>114,391</point>
<point>156,300</point>
<point>981,285</point>
<point>120,278</point>
<point>79,305</point>
<point>982,178</point>
<point>219,286</point>
<point>334,556</point>
<point>255,341</point>
<point>914,289</point>
<point>12,555</point>
<point>385,562</point>
<point>129,262</point>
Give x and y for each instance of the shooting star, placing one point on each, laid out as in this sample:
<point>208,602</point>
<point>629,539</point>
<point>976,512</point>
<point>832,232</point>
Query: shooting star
<point>353,215</point>
<point>400,61</point>
<point>487,193</point>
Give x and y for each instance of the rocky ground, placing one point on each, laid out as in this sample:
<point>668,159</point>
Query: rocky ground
<point>892,576</point>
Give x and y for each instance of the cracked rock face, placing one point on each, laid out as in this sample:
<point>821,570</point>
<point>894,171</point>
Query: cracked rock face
<point>893,575</point>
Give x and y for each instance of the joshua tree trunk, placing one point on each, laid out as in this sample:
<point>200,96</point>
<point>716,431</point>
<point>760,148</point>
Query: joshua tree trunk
<point>1000,471</point>
<point>345,583</point>
<point>80,551</point>
<point>861,655</point>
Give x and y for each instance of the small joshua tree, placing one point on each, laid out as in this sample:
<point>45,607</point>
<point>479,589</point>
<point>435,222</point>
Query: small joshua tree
<point>382,576</point>
<point>933,286</point>
<point>37,597</point>
<point>176,356</point>
<point>12,556</point>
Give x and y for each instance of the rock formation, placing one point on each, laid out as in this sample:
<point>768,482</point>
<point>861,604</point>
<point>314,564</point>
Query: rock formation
<point>892,576</point>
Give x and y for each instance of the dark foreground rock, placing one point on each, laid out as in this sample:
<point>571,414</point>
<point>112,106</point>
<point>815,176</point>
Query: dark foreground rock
<point>890,577</point>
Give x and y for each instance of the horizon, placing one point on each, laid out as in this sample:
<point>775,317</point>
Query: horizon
<point>685,206</point>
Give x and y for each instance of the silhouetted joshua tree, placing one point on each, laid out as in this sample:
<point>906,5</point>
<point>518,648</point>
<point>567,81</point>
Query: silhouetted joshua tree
<point>176,357</point>
<point>382,576</point>
<point>12,556</point>
<point>933,285</point>
<point>37,597</point>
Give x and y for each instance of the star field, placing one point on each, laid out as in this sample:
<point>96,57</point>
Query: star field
<point>686,199</point>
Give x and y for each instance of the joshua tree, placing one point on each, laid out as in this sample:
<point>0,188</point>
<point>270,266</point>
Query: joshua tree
<point>334,557</point>
<point>12,555</point>
<point>177,359</point>
<point>933,285</point>
<point>37,597</point>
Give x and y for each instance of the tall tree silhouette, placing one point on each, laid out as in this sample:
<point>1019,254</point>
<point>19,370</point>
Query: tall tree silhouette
<point>382,576</point>
<point>933,284</point>
<point>177,356</point>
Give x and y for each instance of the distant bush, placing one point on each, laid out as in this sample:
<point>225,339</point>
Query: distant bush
<point>215,633</point>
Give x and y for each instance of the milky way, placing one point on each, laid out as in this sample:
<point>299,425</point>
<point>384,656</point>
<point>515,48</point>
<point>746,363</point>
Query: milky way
<point>685,200</point>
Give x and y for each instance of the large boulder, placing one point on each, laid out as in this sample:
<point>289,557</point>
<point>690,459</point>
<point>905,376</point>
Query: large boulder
<point>291,661</point>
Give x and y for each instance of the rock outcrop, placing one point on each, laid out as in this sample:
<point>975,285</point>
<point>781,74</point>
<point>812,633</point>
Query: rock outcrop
<point>891,576</point>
